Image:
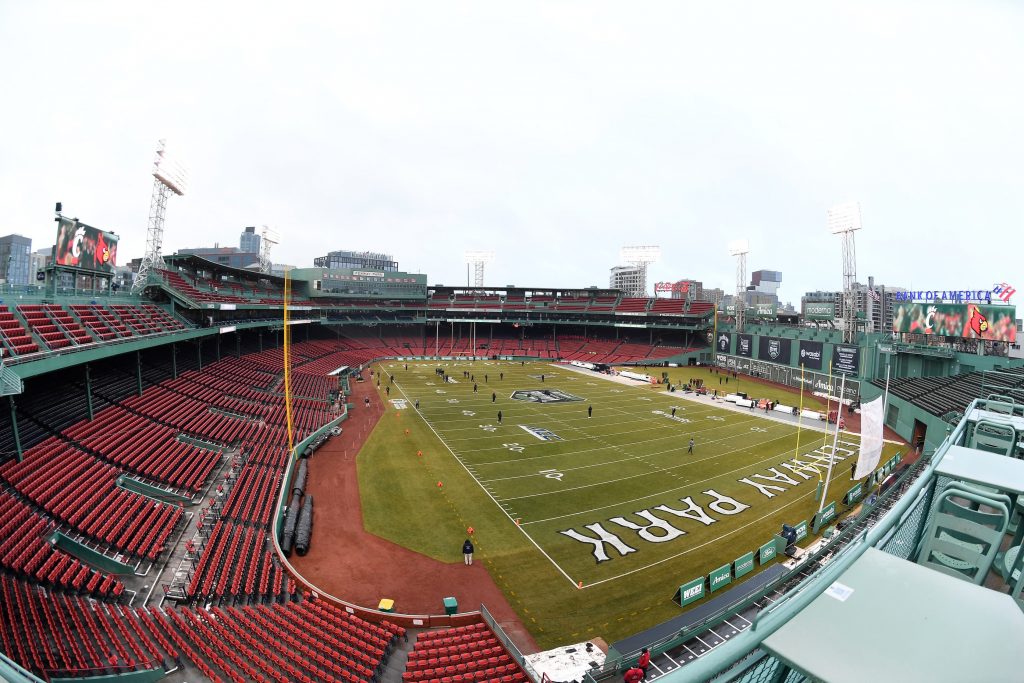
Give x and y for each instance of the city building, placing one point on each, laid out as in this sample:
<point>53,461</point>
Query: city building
<point>764,287</point>
<point>225,256</point>
<point>357,260</point>
<point>875,303</point>
<point>15,259</point>
<point>715,295</point>
<point>629,279</point>
<point>38,260</point>
<point>249,242</point>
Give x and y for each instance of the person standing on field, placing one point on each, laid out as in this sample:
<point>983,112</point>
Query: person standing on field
<point>499,417</point>
<point>590,411</point>
<point>690,449</point>
<point>467,552</point>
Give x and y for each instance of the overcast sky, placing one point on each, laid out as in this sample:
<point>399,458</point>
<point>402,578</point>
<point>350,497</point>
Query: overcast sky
<point>552,133</point>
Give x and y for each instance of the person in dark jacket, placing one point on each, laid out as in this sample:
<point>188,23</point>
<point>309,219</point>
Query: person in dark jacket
<point>467,551</point>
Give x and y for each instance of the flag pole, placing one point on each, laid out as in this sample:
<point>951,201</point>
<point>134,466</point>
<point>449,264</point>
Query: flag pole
<point>800,415</point>
<point>885,401</point>
<point>835,443</point>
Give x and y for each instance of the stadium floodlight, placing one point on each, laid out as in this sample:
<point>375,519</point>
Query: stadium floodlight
<point>740,249</point>
<point>737,247</point>
<point>268,238</point>
<point>477,259</point>
<point>640,257</point>
<point>168,177</point>
<point>844,220</point>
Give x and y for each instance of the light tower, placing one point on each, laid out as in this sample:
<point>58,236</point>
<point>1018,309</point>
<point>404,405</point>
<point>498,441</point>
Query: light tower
<point>740,249</point>
<point>268,238</point>
<point>477,259</point>
<point>640,257</point>
<point>844,220</point>
<point>168,176</point>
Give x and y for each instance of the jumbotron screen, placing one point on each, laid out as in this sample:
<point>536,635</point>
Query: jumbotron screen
<point>84,246</point>
<point>995,323</point>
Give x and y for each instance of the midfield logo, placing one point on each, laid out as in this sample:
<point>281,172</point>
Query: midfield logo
<point>543,396</point>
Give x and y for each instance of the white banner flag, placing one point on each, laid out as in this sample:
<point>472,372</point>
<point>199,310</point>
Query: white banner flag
<point>870,438</point>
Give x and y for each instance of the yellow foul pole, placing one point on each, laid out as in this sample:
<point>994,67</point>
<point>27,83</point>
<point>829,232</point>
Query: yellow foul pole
<point>288,364</point>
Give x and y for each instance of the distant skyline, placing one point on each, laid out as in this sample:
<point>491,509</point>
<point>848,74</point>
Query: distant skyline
<point>551,133</point>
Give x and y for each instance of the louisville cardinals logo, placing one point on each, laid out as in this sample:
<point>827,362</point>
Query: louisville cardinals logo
<point>977,322</point>
<point>102,250</point>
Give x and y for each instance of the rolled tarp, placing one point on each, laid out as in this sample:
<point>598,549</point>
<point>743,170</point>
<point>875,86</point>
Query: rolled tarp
<point>299,484</point>
<point>304,530</point>
<point>290,521</point>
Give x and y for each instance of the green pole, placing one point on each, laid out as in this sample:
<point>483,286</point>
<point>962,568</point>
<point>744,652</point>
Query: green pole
<point>138,372</point>
<point>218,347</point>
<point>14,428</point>
<point>174,361</point>
<point>199,353</point>
<point>238,345</point>
<point>259,336</point>
<point>88,390</point>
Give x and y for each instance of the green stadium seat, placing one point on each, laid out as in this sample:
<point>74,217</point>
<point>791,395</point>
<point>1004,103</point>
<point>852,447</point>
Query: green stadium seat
<point>960,541</point>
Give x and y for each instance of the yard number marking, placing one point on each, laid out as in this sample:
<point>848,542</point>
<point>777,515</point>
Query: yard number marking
<point>552,474</point>
<point>514,447</point>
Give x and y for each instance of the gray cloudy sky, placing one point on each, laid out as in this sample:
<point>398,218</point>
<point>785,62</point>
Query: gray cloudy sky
<point>552,133</point>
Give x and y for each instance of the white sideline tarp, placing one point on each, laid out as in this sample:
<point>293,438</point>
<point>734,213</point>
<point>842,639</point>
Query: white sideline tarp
<point>870,438</point>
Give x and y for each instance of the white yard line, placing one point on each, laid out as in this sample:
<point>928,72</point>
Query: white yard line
<point>489,495</point>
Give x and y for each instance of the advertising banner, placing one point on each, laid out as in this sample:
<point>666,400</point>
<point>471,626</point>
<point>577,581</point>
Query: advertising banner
<point>689,592</point>
<point>974,321</point>
<point>814,382</point>
<point>827,514</point>
<point>83,246</point>
<point>819,311</point>
<point>767,552</point>
<point>721,577</point>
<point>846,359</point>
<point>744,564</point>
<point>723,342</point>
<point>774,350</point>
<point>801,531</point>
<point>811,353</point>
<point>763,311</point>
<point>854,494</point>
<point>744,345</point>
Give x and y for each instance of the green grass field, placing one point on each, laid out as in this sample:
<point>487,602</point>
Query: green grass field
<point>623,475</point>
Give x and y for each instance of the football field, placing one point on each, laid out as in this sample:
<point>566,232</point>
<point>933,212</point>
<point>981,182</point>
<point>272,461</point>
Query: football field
<point>596,474</point>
